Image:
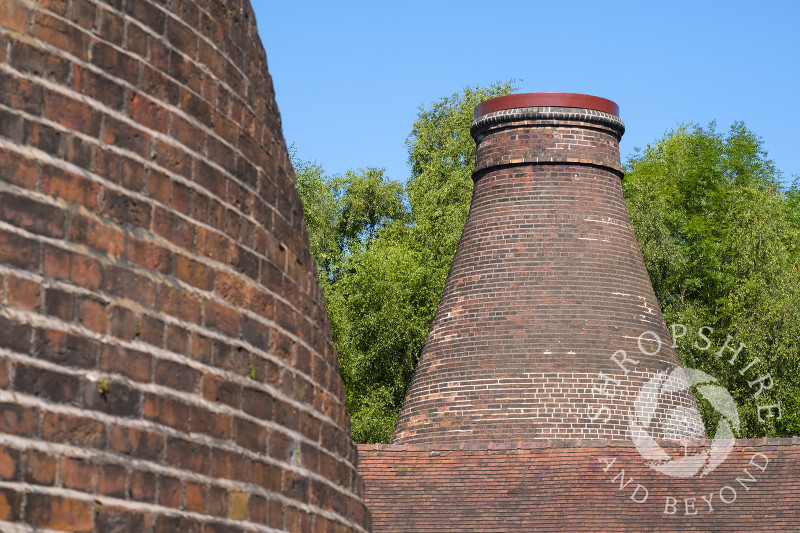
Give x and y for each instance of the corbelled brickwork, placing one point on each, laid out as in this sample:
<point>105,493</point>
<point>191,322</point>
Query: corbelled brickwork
<point>588,486</point>
<point>165,360</point>
<point>541,331</point>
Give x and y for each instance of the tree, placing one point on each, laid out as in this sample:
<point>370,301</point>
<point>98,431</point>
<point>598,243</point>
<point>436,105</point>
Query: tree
<point>721,241</point>
<point>383,251</point>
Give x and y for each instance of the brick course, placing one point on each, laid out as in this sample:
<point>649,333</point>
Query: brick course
<point>165,361</point>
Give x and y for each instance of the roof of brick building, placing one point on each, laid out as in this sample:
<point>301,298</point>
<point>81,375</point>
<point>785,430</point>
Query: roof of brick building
<point>575,486</point>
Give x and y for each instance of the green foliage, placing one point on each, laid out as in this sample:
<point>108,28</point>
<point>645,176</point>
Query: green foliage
<point>383,251</point>
<point>441,154</point>
<point>721,241</point>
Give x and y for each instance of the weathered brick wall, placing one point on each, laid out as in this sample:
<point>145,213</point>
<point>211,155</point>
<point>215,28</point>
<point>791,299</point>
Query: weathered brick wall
<point>165,359</point>
<point>546,285</point>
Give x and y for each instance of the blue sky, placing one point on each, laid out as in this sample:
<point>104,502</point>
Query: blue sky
<point>350,76</point>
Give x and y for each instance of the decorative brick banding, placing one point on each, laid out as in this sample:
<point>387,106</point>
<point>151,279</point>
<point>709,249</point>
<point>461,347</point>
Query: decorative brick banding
<point>547,284</point>
<point>165,359</point>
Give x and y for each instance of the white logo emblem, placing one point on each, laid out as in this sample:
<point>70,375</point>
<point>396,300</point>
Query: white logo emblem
<point>683,423</point>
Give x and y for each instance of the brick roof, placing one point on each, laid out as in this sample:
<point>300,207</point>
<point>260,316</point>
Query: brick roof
<point>573,486</point>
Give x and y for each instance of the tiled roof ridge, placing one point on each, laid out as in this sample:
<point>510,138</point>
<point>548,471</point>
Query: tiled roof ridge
<point>565,443</point>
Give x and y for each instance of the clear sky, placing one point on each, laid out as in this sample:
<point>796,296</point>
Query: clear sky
<point>349,76</point>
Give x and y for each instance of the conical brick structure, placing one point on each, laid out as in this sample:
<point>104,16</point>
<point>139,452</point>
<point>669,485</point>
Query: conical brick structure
<point>548,322</point>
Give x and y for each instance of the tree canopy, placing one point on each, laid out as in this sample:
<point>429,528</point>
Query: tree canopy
<point>721,240</point>
<point>719,233</point>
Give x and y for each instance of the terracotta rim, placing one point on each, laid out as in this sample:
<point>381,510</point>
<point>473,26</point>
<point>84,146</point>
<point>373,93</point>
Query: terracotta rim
<point>515,101</point>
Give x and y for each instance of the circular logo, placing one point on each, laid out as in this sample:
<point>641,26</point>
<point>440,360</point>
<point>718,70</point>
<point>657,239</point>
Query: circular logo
<point>682,423</point>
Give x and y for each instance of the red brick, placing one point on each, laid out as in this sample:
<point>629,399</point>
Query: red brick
<point>169,491</point>
<point>194,273</point>
<point>213,424</point>
<point>98,235</point>
<point>125,283</point>
<point>221,317</point>
<point>147,15</point>
<point>9,463</point>
<point>229,465</point>
<point>93,314</point>
<point>45,138</point>
<point>124,324</point>
<point>186,133</point>
<point>5,373</point>
<point>12,126</point>
<point>137,443</point>
<point>149,255</point>
<point>118,64</point>
<point>195,500</point>
<point>167,411</point>
<point>60,34</point>
<point>32,215</point>
<point>111,480</point>
<point>83,13</point>
<point>174,228</point>
<point>232,288</point>
<point>99,87</point>
<point>126,209</point>
<point>132,176</point>
<point>40,468</point>
<point>118,520</point>
<point>267,475</point>
<point>143,486</point>
<point>213,245</point>
<point>23,292</point>
<point>111,27</point>
<point>59,513</point>
<point>131,363</point>
<point>71,113</point>
<point>189,455</point>
<point>10,505</point>
<point>71,187</point>
<point>47,384</point>
<point>18,251</point>
<point>19,93</point>
<point>217,501</point>
<point>250,435</point>
<point>18,170</point>
<point>71,429</point>
<point>77,473</point>
<point>127,137</point>
<point>177,339</point>
<point>19,420</point>
<point>38,62</point>
<point>15,15</point>
<point>137,39</point>
<point>182,198</point>
<point>177,376</point>
<point>148,113</point>
<point>160,86</point>
<point>158,185</point>
<point>66,349</point>
<point>217,389</point>
<point>179,303</point>
<point>202,348</point>
<point>78,151</point>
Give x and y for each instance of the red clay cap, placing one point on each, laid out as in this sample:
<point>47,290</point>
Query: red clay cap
<point>514,101</point>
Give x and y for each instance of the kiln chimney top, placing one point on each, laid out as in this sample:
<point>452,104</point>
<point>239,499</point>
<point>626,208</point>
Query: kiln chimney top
<point>574,100</point>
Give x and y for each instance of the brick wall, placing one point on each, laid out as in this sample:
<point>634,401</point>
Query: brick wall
<point>547,284</point>
<point>165,359</point>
